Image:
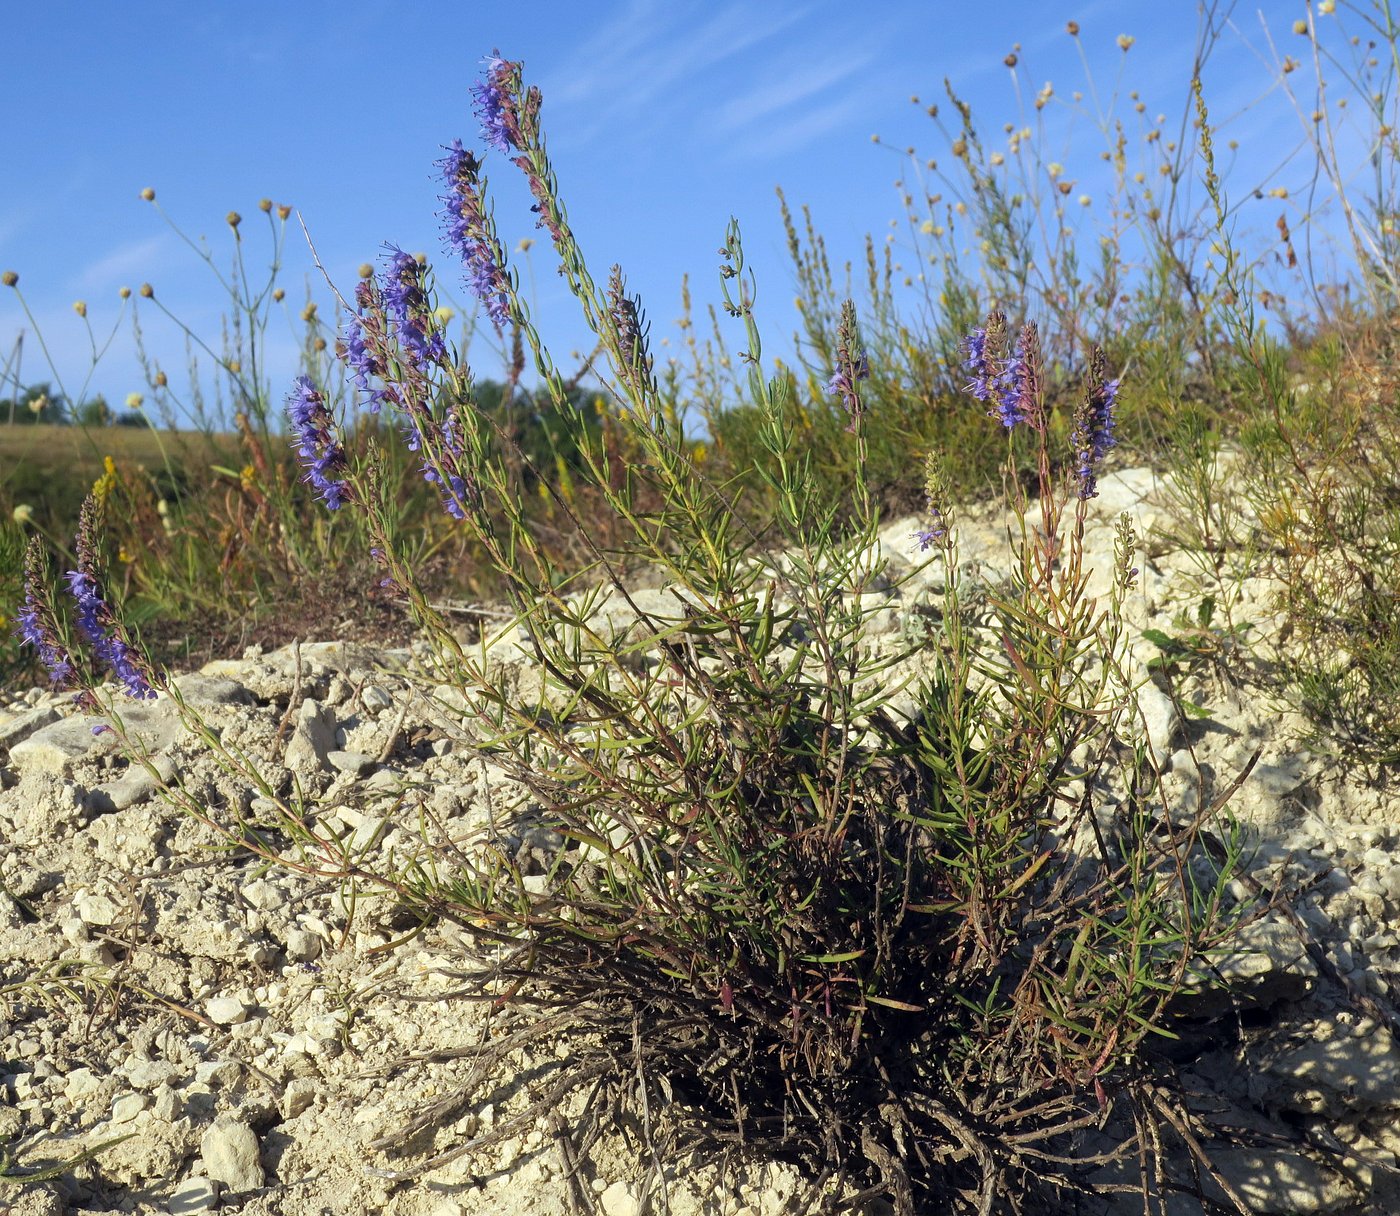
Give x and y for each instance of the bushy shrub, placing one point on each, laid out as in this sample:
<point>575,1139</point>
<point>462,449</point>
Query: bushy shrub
<point>908,915</point>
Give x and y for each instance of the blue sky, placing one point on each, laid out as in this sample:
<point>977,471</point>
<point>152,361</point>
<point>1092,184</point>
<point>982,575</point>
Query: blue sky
<point>664,117</point>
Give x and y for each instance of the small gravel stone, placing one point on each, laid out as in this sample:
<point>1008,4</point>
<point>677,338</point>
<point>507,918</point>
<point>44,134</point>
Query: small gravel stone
<point>226,1010</point>
<point>128,1106</point>
<point>302,946</point>
<point>375,698</point>
<point>96,910</point>
<point>196,1194</point>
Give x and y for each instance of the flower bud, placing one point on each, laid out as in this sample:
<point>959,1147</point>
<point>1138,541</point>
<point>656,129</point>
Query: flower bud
<point>233,219</point>
<point>9,278</point>
<point>80,307</point>
<point>147,291</point>
<point>309,312</point>
<point>1010,61</point>
<point>1125,41</point>
<point>134,401</point>
<point>279,295</point>
<point>264,205</point>
<point>1072,29</point>
<point>283,211</point>
<point>148,194</point>
<point>124,292</point>
<point>161,380</point>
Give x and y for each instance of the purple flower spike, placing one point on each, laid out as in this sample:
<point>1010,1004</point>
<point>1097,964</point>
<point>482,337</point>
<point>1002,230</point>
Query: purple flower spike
<point>493,100</point>
<point>406,303</point>
<point>95,619</point>
<point>470,235</point>
<point>852,366</point>
<point>1093,426</point>
<point>1018,385</point>
<point>978,365</point>
<point>35,621</point>
<point>321,453</point>
<point>983,350</point>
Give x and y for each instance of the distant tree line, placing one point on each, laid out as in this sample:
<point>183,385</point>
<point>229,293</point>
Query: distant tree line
<point>41,403</point>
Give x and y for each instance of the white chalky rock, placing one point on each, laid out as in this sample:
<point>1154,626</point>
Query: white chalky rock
<point>96,910</point>
<point>195,1194</point>
<point>230,1152</point>
<point>375,698</point>
<point>226,1010</point>
<point>128,1106</point>
<point>618,1200</point>
<point>313,739</point>
<point>302,946</point>
<point>17,729</point>
<point>1159,719</point>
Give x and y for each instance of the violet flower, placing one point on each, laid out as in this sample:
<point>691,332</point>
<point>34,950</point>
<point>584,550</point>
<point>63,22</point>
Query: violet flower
<point>94,619</point>
<point>852,366</point>
<point>406,304</point>
<point>446,463</point>
<point>1018,388</point>
<point>471,235</point>
<point>94,616</point>
<point>320,452</point>
<point>493,100</point>
<point>357,351</point>
<point>36,624</point>
<point>930,536</point>
<point>982,348</point>
<point>1093,425</point>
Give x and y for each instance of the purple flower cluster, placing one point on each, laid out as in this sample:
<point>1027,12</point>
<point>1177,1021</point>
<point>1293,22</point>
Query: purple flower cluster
<point>930,536</point>
<point>358,353</point>
<point>852,366</point>
<point>1093,426</point>
<point>406,304</point>
<point>471,235</point>
<point>1012,385</point>
<point>980,362</point>
<point>321,453</point>
<point>36,623</point>
<point>631,328</point>
<point>493,100</point>
<point>97,623</point>
<point>447,465</point>
<point>843,381</point>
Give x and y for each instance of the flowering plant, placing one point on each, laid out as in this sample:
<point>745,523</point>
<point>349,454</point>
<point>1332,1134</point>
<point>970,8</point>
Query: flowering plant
<point>907,913</point>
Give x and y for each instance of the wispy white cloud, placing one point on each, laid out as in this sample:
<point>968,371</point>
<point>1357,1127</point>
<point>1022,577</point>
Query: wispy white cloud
<point>789,87</point>
<point>774,138</point>
<point>631,63</point>
<point>129,261</point>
